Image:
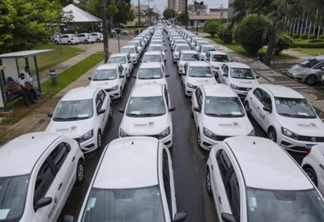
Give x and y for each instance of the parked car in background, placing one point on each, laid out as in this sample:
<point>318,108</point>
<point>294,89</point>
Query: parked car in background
<point>122,31</point>
<point>86,38</point>
<point>69,39</point>
<point>98,36</point>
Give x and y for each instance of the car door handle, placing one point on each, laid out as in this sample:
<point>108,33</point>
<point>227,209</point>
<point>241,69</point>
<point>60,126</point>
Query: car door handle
<point>251,98</point>
<point>212,167</point>
<point>321,166</point>
<point>258,107</point>
<point>73,158</point>
<point>219,199</point>
<point>60,186</point>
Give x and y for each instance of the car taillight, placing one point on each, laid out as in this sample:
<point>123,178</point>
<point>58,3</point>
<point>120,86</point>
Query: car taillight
<point>309,150</point>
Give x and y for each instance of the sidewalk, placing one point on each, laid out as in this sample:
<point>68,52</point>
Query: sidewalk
<point>38,120</point>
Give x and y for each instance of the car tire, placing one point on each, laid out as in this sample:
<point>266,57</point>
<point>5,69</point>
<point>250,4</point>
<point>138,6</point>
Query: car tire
<point>208,183</point>
<point>69,42</point>
<point>98,40</point>
<point>310,80</point>
<point>311,174</point>
<point>99,140</point>
<point>272,135</point>
<point>80,172</point>
<point>247,107</point>
<point>86,42</point>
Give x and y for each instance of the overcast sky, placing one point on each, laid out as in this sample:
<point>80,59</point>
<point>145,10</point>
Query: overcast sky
<point>161,4</point>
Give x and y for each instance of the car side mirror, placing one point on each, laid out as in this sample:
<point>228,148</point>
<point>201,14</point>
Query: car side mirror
<point>89,78</point>
<point>121,110</point>
<point>165,50</point>
<point>121,76</point>
<point>228,217</point>
<point>172,109</point>
<point>208,59</point>
<point>130,61</point>
<point>43,202</point>
<point>267,109</point>
<point>101,111</point>
<point>141,61</point>
<point>196,109</point>
<point>134,76</point>
<point>68,218</point>
<point>225,74</point>
<point>167,75</point>
<point>50,114</point>
<point>180,216</point>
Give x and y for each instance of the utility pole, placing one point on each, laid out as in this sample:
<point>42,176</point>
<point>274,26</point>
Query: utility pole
<point>139,13</point>
<point>104,30</point>
<point>186,11</point>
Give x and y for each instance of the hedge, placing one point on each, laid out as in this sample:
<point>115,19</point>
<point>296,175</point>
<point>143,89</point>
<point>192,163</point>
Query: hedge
<point>315,40</point>
<point>308,45</point>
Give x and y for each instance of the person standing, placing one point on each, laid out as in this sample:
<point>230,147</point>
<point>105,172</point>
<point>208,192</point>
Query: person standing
<point>14,87</point>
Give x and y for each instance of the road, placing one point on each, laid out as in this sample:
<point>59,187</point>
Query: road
<point>188,160</point>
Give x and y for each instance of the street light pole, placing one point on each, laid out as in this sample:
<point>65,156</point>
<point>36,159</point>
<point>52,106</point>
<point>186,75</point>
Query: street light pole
<point>186,11</point>
<point>104,30</point>
<point>139,13</point>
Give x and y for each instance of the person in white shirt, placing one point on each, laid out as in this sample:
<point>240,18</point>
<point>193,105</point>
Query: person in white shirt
<point>26,72</point>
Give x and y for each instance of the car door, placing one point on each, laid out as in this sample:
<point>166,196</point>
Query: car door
<point>100,118</point>
<point>184,77</point>
<point>64,39</point>
<point>223,71</point>
<point>256,106</point>
<point>319,70</point>
<point>266,117</point>
<point>121,76</point>
<point>105,100</point>
<point>197,99</point>
<point>130,64</point>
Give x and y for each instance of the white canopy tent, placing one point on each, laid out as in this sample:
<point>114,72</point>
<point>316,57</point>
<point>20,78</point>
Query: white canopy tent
<point>79,15</point>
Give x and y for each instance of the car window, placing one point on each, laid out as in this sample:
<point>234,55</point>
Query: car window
<point>320,65</point>
<point>224,163</point>
<point>98,103</point>
<point>258,93</point>
<point>166,179</point>
<point>102,96</point>
<point>121,69</point>
<point>44,180</point>
<point>199,98</point>
<point>166,95</point>
<point>225,69</point>
<point>59,154</point>
<point>266,100</point>
<point>233,195</point>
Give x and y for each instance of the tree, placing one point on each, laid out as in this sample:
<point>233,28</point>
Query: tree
<point>183,18</point>
<point>284,42</point>
<point>198,8</point>
<point>168,13</point>
<point>62,18</point>
<point>125,13</point>
<point>225,33</point>
<point>211,26</point>
<point>25,23</point>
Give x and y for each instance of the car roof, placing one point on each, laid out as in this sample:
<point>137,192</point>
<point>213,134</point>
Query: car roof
<point>147,90</point>
<point>108,66</point>
<point>218,90</point>
<point>182,44</point>
<point>320,57</point>
<point>207,46</point>
<point>129,46</point>
<point>282,91</point>
<point>119,54</point>
<point>217,53</point>
<point>80,93</point>
<point>189,52</point>
<point>155,45</point>
<point>265,165</point>
<point>129,162</point>
<point>198,63</point>
<point>152,53</point>
<point>150,65</point>
<point>238,65</point>
<point>19,156</point>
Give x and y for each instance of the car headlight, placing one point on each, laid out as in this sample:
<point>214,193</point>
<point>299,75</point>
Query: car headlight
<point>164,133</point>
<point>86,136</point>
<point>252,133</point>
<point>113,88</point>
<point>234,86</point>
<point>122,133</point>
<point>214,67</point>
<point>289,133</point>
<point>209,134</point>
<point>191,86</point>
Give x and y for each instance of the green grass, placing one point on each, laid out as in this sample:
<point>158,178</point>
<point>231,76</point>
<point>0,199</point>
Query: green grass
<point>238,48</point>
<point>48,60</point>
<point>130,29</point>
<point>312,52</point>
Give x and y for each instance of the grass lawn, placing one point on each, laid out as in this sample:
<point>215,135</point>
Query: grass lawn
<point>130,29</point>
<point>312,52</point>
<point>48,60</point>
<point>238,48</point>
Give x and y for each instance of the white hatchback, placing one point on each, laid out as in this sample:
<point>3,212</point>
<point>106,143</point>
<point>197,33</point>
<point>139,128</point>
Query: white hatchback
<point>37,173</point>
<point>177,49</point>
<point>253,179</point>
<point>153,72</point>
<point>148,113</point>
<point>111,77</point>
<point>184,57</point>
<point>86,38</point>
<point>133,182</point>
<point>133,51</point>
<point>82,114</point>
<point>122,58</point>
<point>216,59</point>
<point>203,49</point>
<point>218,114</point>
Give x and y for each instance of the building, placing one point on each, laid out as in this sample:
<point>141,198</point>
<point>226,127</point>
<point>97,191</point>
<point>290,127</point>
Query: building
<point>177,5</point>
<point>143,13</point>
<point>214,13</point>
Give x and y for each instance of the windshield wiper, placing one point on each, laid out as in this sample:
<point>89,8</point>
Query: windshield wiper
<point>212,114</point>
<point>151,114</point>
<point>60,118</point>
<point>286,114</point>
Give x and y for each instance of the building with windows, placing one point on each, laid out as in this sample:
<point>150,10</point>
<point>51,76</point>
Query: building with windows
<point>177,5</point>
<point>214,13</point>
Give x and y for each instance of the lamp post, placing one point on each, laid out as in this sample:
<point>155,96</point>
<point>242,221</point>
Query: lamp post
<point>139,13</point>
<point>186,11</point>
<point>104,30</point>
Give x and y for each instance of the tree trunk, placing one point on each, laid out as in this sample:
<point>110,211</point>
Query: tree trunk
<point>271,46</point>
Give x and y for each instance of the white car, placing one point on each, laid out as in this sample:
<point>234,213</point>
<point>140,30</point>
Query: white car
<point>157,41</point>
<point>218,114</point>
<point>177,49</point>
<point>98,36</point>
<point>148,113</point>
<point>110,77</point>
<point>139,45</point>
<point>69,39</point>
<point>178,41</point>
<point>133,51</point>
<point>203,49</point>
<point>152,72</point>
<point>196,73</point>
<point>184,57</point>
<point>313,166</point>
<point>82,114</point>
<point>86,38</point>
<point>124,59</point>
<point>38,172</point>
<point>193,42</point>
<point>153,56</point>
<point>158,48</point>
<point>216,59</point>
<point>253,179</point>
<point>133,182</point>
<point>286,116</point>
<point>199,43</point>
<point>240,77</point>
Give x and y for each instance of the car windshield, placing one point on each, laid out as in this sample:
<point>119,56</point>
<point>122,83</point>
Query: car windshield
<point>180,42</point>
<point>190,57</point>
<point>150,73</point>
<point>155,48</point>
<point>295,108</point>
<point>202,43</point>
<point>220,58</point>
<point>104,74</point>
<point>200,72</point>
<point>156,42</point>
<point>284,205</point>
<point>146,106</point>
<point>242,73</point>
<point>124,205</point>
<point>13,192</point>
<point>134,43</point>
<point>117,59</point>
<point>310,63</point>
<point>208,49</point>
<point>182,47</point>
<point>223,107</point>
<point>127,50</point>
<point>73,110</point>
<point>152,58</point>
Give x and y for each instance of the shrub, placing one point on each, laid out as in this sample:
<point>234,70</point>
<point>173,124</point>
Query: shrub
<point>250,31</point>
<point>304,36</point>
<point>225,33</point>
<point>321,37</point>
<point>284,42</point>
<point>315,40</point>
<point>308,45</point>
<point>312,36</point>
<point>295,36</point>
<point>211,26</point>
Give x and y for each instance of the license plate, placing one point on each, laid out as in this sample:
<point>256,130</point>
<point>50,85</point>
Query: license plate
<point>245,93</point>
<point>307,146</point>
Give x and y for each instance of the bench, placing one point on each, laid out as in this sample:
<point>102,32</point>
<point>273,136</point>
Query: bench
<point>10,96</point>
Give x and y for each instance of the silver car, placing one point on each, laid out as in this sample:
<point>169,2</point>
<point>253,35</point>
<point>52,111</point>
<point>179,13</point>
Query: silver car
<point>309,71</point>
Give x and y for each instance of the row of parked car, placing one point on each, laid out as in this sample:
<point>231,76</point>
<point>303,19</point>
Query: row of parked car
<point>71,39</point>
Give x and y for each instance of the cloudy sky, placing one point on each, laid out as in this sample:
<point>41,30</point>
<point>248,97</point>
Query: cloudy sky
<point>160,4</point>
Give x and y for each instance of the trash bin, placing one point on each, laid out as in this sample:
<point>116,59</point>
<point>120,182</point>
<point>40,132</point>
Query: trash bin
<point>53,76</point>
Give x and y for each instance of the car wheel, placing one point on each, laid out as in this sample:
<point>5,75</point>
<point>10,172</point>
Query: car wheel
<point>69,42</point>
<point>311,80</point>
<point>247,107</point>
<point>208,183</point>
<point>98,40</point>
<point>272,135</point>
<point>99,140</point>
<point>80,172</point>
<point>86,41</point>
<point>311,174</point>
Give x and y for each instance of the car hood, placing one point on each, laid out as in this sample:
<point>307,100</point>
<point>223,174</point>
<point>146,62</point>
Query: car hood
<point>297,69</point>
<point>176,53</point>
<point>246,83</point>
<point>145,81</point>
<point>200,81</point>
<point>240,126</point>
<point>144,126</point>
<point>73,129</point>
<point>106,84</point>
<point>305,127</point>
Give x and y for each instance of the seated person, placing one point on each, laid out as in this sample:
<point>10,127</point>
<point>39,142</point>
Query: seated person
<point>26,71</point>
<point>14,87</point>
<point>25,84</point>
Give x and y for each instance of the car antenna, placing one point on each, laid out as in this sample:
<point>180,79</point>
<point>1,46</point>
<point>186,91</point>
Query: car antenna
<point>132,142</point>
<point>253,142</point>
